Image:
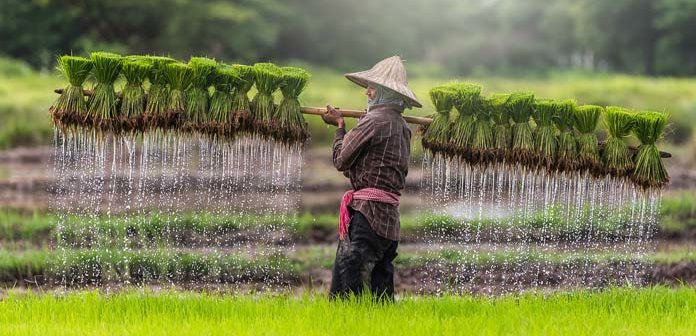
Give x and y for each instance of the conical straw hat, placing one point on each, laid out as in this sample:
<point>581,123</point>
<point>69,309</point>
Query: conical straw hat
<point>390,73</point>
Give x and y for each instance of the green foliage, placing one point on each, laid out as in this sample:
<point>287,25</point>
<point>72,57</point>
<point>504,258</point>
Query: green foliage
<point>102,102</point>
<point>482,141</point>
<point>564,119</point>
<point>203,70</point>
<point>438,132</point>
<point>587,118</point>
<point>158,93</point>
<point>135,70</point>
<point>520,105</point>
<point>225,81</point>
<point>501,118</point>
<point>107,67</point>
<point>75,69</point>
<point>659,40</point>
<point>586,121</point>
<point>179,77</point>
<point>133,94</point>
<point>268,78</point>
<point>289,124</point>
<point>619,123</point>
<point>157,72</point>
<point>650,171</point>
<point>467,101</point>
<point>240,100</point>
<point>545,141</point>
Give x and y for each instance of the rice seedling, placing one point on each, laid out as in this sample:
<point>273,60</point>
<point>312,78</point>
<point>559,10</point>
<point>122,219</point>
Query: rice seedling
<point>564,119</point>
<point>482,142</point>
<point>466,102</point>
<point>179,77</point>
<point>289,125</point>
<point>221,101</point>
<point>71,107</point>
<point>649,170</point>
<point>203,70</point>
<point>502,133</point>
<point>135,72</point>
<point>521,106</point>
<point>268,78</point>
<point>437,134</point>
<point>586,120</point>
<point>158,93</point>
<point>615,311</point>
<point>240,97</point>
<point>616,155</point>
<point>545,142</point>
<point>102,107</point>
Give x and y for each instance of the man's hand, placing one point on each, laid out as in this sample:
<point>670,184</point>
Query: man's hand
<point>333,117</point>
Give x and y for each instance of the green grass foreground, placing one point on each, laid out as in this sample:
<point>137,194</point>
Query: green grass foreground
<point>618,311</point>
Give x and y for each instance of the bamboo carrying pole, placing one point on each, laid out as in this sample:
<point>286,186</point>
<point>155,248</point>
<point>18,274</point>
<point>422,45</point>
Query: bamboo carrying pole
<point>357,114</point>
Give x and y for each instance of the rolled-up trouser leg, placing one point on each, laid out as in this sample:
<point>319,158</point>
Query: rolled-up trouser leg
<point>356,258</point>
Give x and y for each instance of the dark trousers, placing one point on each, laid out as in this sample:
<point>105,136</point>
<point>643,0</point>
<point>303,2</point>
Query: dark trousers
<point>363,260</point>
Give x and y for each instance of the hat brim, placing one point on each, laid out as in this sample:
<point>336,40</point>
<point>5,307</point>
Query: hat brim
<point>364,82</point>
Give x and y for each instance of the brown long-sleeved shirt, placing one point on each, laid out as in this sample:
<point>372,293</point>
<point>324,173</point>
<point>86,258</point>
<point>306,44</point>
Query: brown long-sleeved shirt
<point>375,154</point>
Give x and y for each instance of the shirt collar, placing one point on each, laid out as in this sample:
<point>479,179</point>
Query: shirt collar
<point>386,107</point>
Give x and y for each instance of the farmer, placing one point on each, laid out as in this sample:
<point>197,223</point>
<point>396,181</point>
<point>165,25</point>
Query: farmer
<point>374,155</point>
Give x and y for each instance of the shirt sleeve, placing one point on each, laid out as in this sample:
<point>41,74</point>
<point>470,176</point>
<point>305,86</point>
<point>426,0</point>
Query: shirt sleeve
<point>347,147</point>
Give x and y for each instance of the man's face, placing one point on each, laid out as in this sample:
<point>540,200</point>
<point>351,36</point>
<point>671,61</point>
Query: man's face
<point>371,93</point>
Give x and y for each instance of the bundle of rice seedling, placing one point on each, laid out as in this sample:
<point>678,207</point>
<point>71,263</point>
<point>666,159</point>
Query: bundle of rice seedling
<point>567,152</point>
<point>221,113</point>
<point>179,77</point>
<point>102,109</point>
<point>521,106</point>
<point>268,78</point>
<point>649,170</point>
<point>619,123</point>
<point>70,108</point>
<point>586,120</point>
<point>197,94</point>
<point>482,142</point>
<point>240,97</point>
<point>289,125</point>
<point>158,93</point>
<point>437,134</point>
<point>545,142</point>
<point>135,71</point>
<point>502,133</point>
<point>467,102</point>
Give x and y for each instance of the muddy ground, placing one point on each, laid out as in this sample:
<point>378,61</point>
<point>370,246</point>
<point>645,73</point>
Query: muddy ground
<point>433,278</point>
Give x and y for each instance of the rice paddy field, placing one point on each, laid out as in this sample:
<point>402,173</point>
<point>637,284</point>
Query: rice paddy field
<point>172,261</point>
<point>25,90</point>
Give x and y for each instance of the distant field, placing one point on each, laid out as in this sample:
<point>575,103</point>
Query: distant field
<point>620,311</point>
<point>25,96</point>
